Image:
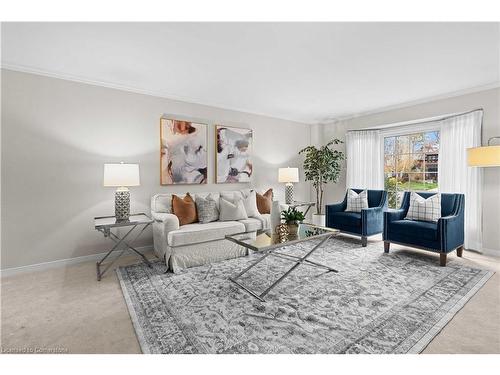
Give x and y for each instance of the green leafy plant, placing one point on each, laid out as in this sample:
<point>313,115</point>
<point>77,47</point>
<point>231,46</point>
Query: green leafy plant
<point>292,215</point>
<point>322,165</point>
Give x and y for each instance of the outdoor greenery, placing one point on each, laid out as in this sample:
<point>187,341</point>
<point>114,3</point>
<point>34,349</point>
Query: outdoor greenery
<point>292,216</point>
<point>322,165</point>
<point>410,164</point>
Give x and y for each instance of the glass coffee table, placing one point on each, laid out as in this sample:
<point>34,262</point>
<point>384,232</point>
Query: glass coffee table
<point>268,244</point>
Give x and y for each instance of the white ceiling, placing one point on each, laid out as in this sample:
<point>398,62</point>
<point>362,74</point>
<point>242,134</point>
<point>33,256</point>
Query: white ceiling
<point>308,72</point>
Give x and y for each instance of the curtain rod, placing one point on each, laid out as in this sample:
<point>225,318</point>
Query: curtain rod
<point>419,122</point>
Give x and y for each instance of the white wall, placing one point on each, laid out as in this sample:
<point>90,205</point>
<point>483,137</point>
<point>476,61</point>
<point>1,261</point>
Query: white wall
<point>57,134</point>
<point>489,100</point>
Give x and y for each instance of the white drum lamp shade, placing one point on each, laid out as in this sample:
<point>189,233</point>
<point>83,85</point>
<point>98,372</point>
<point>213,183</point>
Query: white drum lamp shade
<point>486,156</point>
<point>121,175</point>
<point>288,176</point>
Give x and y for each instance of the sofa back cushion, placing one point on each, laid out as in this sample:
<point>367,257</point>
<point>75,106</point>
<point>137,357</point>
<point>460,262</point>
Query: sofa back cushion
<point>424,209</point>
<point>184,209</point>
<point>206,208</point>
<point>265,202</point>
<point>232,210</point>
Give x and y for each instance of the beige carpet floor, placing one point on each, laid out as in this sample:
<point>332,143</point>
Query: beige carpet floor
<point>66,310</point>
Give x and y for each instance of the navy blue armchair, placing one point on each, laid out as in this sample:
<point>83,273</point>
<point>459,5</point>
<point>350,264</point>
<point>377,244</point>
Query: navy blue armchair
<point>366,223</point>
<point>442,237</point>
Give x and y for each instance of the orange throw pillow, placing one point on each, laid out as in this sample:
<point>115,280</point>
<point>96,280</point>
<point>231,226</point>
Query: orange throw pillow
<point>184,209</point>
<point>265,202</point>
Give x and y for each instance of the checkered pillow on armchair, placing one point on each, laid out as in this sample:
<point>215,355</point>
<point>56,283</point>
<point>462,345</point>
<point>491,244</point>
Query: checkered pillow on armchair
<point>424,209</point>
<point>356,202</point>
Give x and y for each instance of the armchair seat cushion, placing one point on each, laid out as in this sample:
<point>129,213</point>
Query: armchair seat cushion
<point>352,219</point>
<point>415,229</point>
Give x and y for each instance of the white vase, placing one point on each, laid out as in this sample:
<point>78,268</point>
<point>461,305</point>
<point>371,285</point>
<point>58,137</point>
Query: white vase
<point>318,220</point>
<point>275,215</point>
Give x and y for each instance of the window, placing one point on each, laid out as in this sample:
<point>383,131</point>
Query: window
<point>410,164</point>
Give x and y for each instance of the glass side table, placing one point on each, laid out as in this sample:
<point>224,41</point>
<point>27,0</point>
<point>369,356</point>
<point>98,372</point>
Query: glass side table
<point>299,204</point>
<point>104,224</point>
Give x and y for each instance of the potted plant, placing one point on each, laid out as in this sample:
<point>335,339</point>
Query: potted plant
<point>292,218</point>
<point>322,165</point>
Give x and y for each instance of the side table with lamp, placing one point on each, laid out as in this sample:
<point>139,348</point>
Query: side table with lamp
<point>121,176</point>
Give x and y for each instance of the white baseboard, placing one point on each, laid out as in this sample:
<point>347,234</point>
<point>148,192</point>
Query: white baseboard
<point>67,262</point>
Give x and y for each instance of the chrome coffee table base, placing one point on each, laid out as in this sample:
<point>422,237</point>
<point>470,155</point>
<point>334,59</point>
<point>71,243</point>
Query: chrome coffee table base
<point>297,260</point>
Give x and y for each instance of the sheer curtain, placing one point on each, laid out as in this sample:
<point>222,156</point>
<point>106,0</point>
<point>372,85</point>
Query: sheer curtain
<point>454,176</point>
<point>365,166</point>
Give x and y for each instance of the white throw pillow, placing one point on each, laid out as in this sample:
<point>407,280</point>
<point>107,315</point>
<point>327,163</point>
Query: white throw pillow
<point>250,202</point>
<point>424,209</point>
<point>229,211</point>
<point>356,202</point>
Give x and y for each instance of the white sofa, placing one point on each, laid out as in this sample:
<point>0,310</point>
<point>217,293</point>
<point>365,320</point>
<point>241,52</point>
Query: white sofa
<point>196,244</point>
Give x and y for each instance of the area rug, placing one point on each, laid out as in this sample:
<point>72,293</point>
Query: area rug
<point>376,303</point>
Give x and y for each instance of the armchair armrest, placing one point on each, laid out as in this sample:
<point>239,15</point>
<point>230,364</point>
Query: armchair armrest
<point>337,207</point>
<point>451,232</point>
<point>372,220</point>
<point>393,215</point>
<point>389,216</point>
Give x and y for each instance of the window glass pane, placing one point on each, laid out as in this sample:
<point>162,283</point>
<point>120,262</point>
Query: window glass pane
<point>402,181</point>
<point>416,142</point>
<point>402,144</point>
<point>431,141</point>
<point>417,182</point>
<point>389,143</point>
<point>431,162</point>
<point>392,198</point>
<point>417,162</point>
<point>403,163</point>
<point>390,181</point>
<point>389,165</point>
<point>431,181</point>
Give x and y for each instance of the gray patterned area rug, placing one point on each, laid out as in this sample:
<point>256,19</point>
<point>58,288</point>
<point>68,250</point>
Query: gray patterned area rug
<point>376,303</point>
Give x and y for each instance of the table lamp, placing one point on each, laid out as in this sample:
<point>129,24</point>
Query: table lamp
<point>121,176</point>
<point>485,156</point>
<point>288,176</point>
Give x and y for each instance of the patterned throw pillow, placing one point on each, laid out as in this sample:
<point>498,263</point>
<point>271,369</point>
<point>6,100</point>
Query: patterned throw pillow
<point>230,211</point>
<point>356,202</point>
<point>424,209</point>
<point>207,209</point>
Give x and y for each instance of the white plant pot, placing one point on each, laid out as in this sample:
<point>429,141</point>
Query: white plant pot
<point>318,220</point>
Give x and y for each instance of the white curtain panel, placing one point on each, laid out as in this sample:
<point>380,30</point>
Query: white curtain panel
<point>455,176</point>
<point>365,167</point>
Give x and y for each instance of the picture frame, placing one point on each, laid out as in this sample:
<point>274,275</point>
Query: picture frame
<point>183,152</point>
<point>233,154</point>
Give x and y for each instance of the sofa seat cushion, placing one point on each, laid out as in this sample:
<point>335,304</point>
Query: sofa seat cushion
<point>251,224</point>
<point>414,229</point>
<point>352,219</point>
<point>265,219</point>
<point>197,232</point>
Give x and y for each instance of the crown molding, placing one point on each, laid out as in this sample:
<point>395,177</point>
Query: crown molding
<point>135,90</point>
<point>165,95</point>
<point>429,99</point>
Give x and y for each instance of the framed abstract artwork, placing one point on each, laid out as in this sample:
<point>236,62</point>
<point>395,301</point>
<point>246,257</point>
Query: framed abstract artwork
<point>233,154</point>
<point>183,152</point>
